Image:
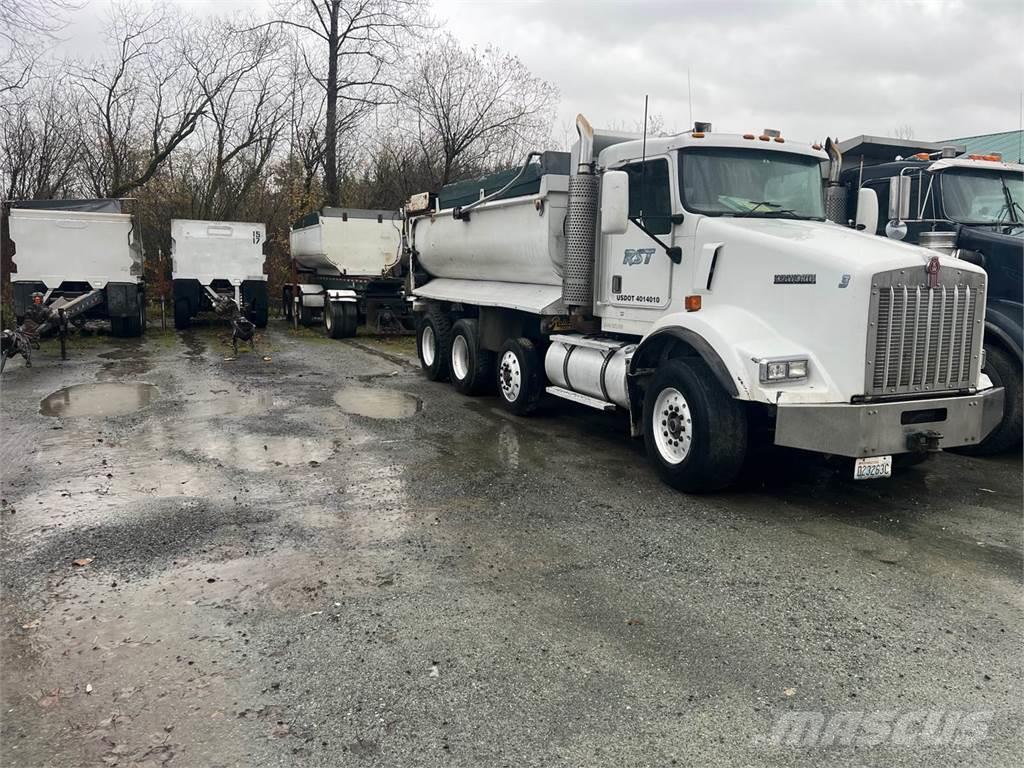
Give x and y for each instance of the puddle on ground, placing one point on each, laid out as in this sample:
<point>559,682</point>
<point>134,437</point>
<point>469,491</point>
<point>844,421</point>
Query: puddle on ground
<point>377,403</point>
<point>105,399</point>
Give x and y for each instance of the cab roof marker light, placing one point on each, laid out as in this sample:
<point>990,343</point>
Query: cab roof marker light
<point>779,139</point>
<point>748,136</point>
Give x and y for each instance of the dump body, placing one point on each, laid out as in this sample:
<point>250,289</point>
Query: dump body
<point>357,243</point>
<point>217,250</point>
<point>485,248</point>
<point>58,246</point>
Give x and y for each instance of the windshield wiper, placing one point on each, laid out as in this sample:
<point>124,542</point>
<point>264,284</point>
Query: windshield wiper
<point>759,203</point>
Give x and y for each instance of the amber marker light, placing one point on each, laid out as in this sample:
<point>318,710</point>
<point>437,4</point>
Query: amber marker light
<point>691,303</point>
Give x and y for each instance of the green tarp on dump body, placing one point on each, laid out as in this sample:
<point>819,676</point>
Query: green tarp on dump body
<point>465,192</point>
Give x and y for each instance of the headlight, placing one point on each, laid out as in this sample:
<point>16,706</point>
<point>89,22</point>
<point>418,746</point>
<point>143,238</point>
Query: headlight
<point>776,370</point>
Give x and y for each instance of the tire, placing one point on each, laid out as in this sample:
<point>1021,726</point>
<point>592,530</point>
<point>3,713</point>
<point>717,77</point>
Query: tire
<point>350,313</point>
<point>471,368</point>
<point>341,319</point>
<point>305,315</point>
<point>519,376</point>
<point>695,433</point>
<point>259,315</point>
<point>182,314</point>
<point>1005,371</point>
<point>119,326</point>
<point>434,343</point>
<point>134,326</point>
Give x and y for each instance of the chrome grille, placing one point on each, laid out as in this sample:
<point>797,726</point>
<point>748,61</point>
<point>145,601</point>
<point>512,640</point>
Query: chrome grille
<point>923,339</point>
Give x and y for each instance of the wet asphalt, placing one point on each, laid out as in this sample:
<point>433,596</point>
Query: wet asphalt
<point>322,559</point>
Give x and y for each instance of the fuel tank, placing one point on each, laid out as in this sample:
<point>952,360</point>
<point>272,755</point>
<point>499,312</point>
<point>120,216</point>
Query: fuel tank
<point>516,240</point>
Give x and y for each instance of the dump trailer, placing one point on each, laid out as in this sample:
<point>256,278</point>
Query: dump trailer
<point>347,267</point>
<point>84,256</point>
<point>694,282</point>
<point>966,206</point>
<point>217,259</point>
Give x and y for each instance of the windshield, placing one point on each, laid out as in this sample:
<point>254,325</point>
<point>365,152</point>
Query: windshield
<point>983,197</point>
<point>750,182</point>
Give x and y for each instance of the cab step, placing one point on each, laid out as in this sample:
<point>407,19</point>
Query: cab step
<point>576,397</point>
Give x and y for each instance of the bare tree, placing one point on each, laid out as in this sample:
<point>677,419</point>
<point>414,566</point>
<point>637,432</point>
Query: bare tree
<point>40,143</point>
<point>476,107</point>
<point>363,39</point>
<point>244,115</point>
<point>143,101</point>
<point>905,131</point>
<point>22,24</point>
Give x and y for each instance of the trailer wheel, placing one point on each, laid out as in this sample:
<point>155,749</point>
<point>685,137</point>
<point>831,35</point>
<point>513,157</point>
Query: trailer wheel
<point>133,326</point>
<point>182,314</point>
<point>433,343</point>
<point>472,368</point>
<point>1005,371</point>
<point>695,433</point>
<point>286,303</point>
<point>520,376</point>
<point>341,319</point>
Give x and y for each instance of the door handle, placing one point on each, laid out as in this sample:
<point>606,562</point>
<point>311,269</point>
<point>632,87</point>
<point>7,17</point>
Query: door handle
<point>616,283</point>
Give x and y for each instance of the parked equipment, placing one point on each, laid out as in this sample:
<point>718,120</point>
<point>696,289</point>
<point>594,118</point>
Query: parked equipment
<point>968,206</point>
<point>214,260</point>
<point>74,261</point>
<point>694,282</point>
<point>347,265</point>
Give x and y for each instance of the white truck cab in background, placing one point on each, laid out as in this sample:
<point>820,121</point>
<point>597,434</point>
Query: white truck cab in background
<point>694,281</point>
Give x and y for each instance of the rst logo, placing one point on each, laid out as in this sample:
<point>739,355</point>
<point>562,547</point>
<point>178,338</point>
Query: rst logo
<point>634,256</point>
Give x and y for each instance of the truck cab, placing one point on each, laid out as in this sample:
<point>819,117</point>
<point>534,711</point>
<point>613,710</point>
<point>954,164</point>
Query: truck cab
<point>695,281</point>
<point>970,206</point>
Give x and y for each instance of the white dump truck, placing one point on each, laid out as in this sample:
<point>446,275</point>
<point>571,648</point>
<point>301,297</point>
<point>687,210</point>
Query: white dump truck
<point>694,282</point>
<point>347,267</point>
<point>211,259</point>
<point>84,256</point>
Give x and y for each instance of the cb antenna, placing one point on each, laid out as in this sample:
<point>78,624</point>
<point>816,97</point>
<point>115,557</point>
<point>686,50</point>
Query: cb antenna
<point>643,163</point>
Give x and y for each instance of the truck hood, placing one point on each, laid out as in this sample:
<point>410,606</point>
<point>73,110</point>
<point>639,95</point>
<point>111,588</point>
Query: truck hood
<point>820,246</point>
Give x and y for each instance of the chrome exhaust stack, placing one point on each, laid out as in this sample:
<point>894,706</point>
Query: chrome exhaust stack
<point>581,226</point>
<point>835,193</point>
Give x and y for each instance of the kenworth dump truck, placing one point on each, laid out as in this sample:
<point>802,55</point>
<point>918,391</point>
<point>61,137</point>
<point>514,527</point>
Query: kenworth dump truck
<point>970,206</point>
<point>347,264</point>
<point>695,282</point>
<point>216,259</point>
<point>84,256</point>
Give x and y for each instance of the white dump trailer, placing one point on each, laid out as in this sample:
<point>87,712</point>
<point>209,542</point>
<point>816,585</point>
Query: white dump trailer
<point>693,282</point>
<point>347,268</point>
<point>84,256</point>
<point>218,258</point>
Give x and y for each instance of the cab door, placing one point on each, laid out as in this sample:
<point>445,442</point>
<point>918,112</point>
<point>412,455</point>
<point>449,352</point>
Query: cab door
<point>637,272</point>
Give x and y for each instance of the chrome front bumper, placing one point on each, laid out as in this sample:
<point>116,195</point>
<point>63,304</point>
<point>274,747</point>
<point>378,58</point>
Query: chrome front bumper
<point>880,429</point>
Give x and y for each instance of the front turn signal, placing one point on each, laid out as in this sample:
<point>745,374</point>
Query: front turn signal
<point>691,303</point>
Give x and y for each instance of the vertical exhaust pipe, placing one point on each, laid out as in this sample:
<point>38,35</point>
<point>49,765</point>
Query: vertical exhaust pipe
<point>581,226</point>
<point>836,208</point>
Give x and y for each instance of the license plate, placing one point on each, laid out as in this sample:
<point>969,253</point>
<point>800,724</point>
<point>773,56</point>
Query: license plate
<point>872,468</point>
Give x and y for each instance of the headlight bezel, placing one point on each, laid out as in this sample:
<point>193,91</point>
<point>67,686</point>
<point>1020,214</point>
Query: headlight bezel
<point>783,370</point>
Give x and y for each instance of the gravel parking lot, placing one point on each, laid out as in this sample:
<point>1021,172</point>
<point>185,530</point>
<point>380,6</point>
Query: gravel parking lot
<point>324,559</point>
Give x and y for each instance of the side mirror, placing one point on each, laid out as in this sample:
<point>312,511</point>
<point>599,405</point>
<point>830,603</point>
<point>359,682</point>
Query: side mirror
<point>614,203</point>
<point>899,198</point>
<point>867,210</point>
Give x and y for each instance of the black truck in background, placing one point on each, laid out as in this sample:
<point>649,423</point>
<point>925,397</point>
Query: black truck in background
<point>968,205</point>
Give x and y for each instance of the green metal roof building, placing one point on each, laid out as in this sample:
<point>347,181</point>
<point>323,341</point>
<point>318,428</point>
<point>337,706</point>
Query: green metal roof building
<point>1010,144</point>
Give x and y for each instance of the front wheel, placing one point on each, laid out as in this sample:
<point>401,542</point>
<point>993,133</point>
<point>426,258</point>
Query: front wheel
<point>1005,371</point>
<point>694,432</point>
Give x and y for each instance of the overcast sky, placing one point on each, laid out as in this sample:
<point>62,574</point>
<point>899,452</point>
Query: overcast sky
<point>945,69</point>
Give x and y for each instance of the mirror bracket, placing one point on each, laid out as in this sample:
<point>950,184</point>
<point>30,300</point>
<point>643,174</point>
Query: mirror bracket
<point>674,252</point>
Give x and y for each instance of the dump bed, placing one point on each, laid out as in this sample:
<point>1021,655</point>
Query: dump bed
<point>347,241</point>
<point>217,250</point>
<point>55,246</point>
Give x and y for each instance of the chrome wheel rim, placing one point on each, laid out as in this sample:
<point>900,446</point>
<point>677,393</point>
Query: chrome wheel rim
<point>510,376</point>
<point>460,357</point>
<point>672,425</point>
<point>427,346</point>
<point>329,317</point>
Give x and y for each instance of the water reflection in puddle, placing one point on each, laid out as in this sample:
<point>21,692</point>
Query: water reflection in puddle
<point>105,399</point>
<point>377,403</point>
